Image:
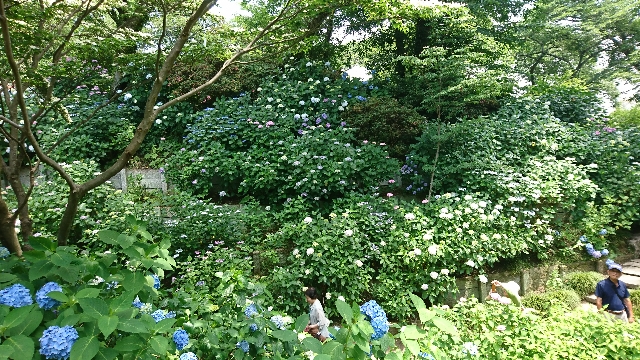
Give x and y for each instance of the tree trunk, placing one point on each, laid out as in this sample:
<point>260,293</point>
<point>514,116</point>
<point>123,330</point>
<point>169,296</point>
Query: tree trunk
<point>8,235</point>
<point>73,201</point>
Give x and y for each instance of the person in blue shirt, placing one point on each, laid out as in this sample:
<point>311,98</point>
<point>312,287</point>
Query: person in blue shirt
<point>613,293</point>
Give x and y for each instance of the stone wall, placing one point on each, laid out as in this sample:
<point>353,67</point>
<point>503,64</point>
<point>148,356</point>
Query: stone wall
<point>530,280</point>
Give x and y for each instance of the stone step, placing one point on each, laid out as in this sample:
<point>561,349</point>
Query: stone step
<point>633,282</point>
<point>590,299</point>
<point>631,270</point>
<point>634,262</point>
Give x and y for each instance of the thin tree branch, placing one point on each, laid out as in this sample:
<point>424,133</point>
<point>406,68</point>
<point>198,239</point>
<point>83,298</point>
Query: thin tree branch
<point>162,35</point>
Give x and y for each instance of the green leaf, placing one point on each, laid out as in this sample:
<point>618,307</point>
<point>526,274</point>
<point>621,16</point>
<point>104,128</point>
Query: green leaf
<point>445,325</point>
<point>70,320</point>
<point>6,277</point>
<point>412,332</point>
<point>362,343</point>
<point>426,315</point>
<point>107,324</point>
<point>129,343</point>
<point>34,318</point>
<point>40,269</point>
<point>17,316</point>
<point>393,356</point>
<point>62,259</point>
<point>134,326</point>
<point>122,302</point>
<point>322,357</point>
<point>164,325</point>
<point>312,344</point>
<point>134,282</point>
<point>34,256</point>
<point>124,241</point>
<point>95,308</point>
<point>417,302</point>
<point>344,310</point>
<point>145,234</point>
<point>22,346</point>
<point>160,344</point>
<point>88,293</point>
<point>301,322</point>
<point>413,346</point>
<point>106,354</point>
<point>108,236</point>
<point>284,335</point>
<point>42,244</point>
<point>57,295</point>
<point>85,348</point>
<point>5,351</point>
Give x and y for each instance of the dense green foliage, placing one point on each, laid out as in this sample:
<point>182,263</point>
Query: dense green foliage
<point>583,283</point>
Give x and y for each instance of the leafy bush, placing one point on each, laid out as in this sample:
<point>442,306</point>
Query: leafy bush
<point>569,101</point>
<point>626,118</point>
<point>89,304</point>
<point>287,142</point>
<point>385,120</point>
<point>635,298</point>
<point>566,299</point>
<point>583,283</point>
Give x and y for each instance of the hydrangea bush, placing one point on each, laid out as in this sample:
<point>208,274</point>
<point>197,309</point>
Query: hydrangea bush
<point>285,140</point>
<point>89,305</point>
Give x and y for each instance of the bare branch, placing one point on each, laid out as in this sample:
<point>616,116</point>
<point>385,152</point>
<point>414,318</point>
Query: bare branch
<point>162,36</point>
<point>8,121</point>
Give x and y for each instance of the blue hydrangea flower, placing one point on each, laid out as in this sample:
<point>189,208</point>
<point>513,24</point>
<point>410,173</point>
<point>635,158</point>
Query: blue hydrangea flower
<point>244,345</point>
<point>16,295</point>
<point>253,327</point>
<point>603,232</point>
<point>4,252</point>
<point>278,320</point>
<point>426,356</point>
<point>377,317</point>
<point>56,342</point>
<point>160,315</point>
<point>156,281</point>
<point>188,356</point>
<point>604,252</point>
<point>181,338</point>
<point>589,248</point>
<point>137,303</point>
<point>251,310</point>
<point>609,262</point>
<point>583,239</point>
<point>44,301</point>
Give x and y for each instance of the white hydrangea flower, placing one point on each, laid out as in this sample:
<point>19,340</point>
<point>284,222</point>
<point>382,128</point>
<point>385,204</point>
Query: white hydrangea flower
<point>417,251</point>
<point>307,220</point>
<point>483,279</point>
<point>434,275</point>
<point>348,232</point>
<point>424,286</point>
<point>310,251</point>
<point>433,249</point>
<point>359,263</point>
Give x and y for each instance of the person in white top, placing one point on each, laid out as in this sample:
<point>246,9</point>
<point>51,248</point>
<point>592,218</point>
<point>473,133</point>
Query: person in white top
<point>318,323</point>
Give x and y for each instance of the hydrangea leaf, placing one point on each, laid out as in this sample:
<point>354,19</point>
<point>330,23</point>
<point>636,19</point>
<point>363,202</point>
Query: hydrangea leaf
<point>17,316</point>
<point>34,318</point>
<point>125,241</point>
<point>85,348</point>
<point>417,302</point>
<point>22,346</point>
<point>94,307</point>
<point>393,356</point>
<point>363,343</point>
<point>129,343</point>
<point>40,269</point>
<point>425,315</point>
<point>284,335</point>
<point>107,324</point>
<point>5,351</point>
<point>88,293</point>
<point>413,346</point>
<point>160,344</point>
<point>57,295</point>
<point>122,302</point>
<point>312,344</point>
<point>322,357</point>
<point>106,354</point>
<point>134,281</point>
<point>301,322</point>
<point>42,244</point>
<point>63,259</point>
<point>5,277</point>
<point>164,325</point>
<point>35,255</point>
<point>133,326</point>
<point>108,236</point>
<point>445,325</point>
<point>412,332</point>
<point>344,310</point>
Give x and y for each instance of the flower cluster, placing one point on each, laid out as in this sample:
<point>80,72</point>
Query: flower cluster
<point>188,356</point>
<point>251,310</point>
<point>156,281</point>
<point>42,298</point>
<point>591,250</point>
<point>244,345</point>
<point>4,252</point>
<point>16,295</point>
<point>160,315</point>
<point>426,356</point>
<point>470,348</point>
<point>377,317</point>
<point>56,342</point>
<point>181,338</point>
<point>279,321</point>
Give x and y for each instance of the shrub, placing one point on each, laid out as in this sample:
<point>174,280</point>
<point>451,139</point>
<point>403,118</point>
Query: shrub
<point>635,298</point>
<point>543,302</point>
<point>385,120</point>
<point>583,283</point>
<point>569,101</point>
